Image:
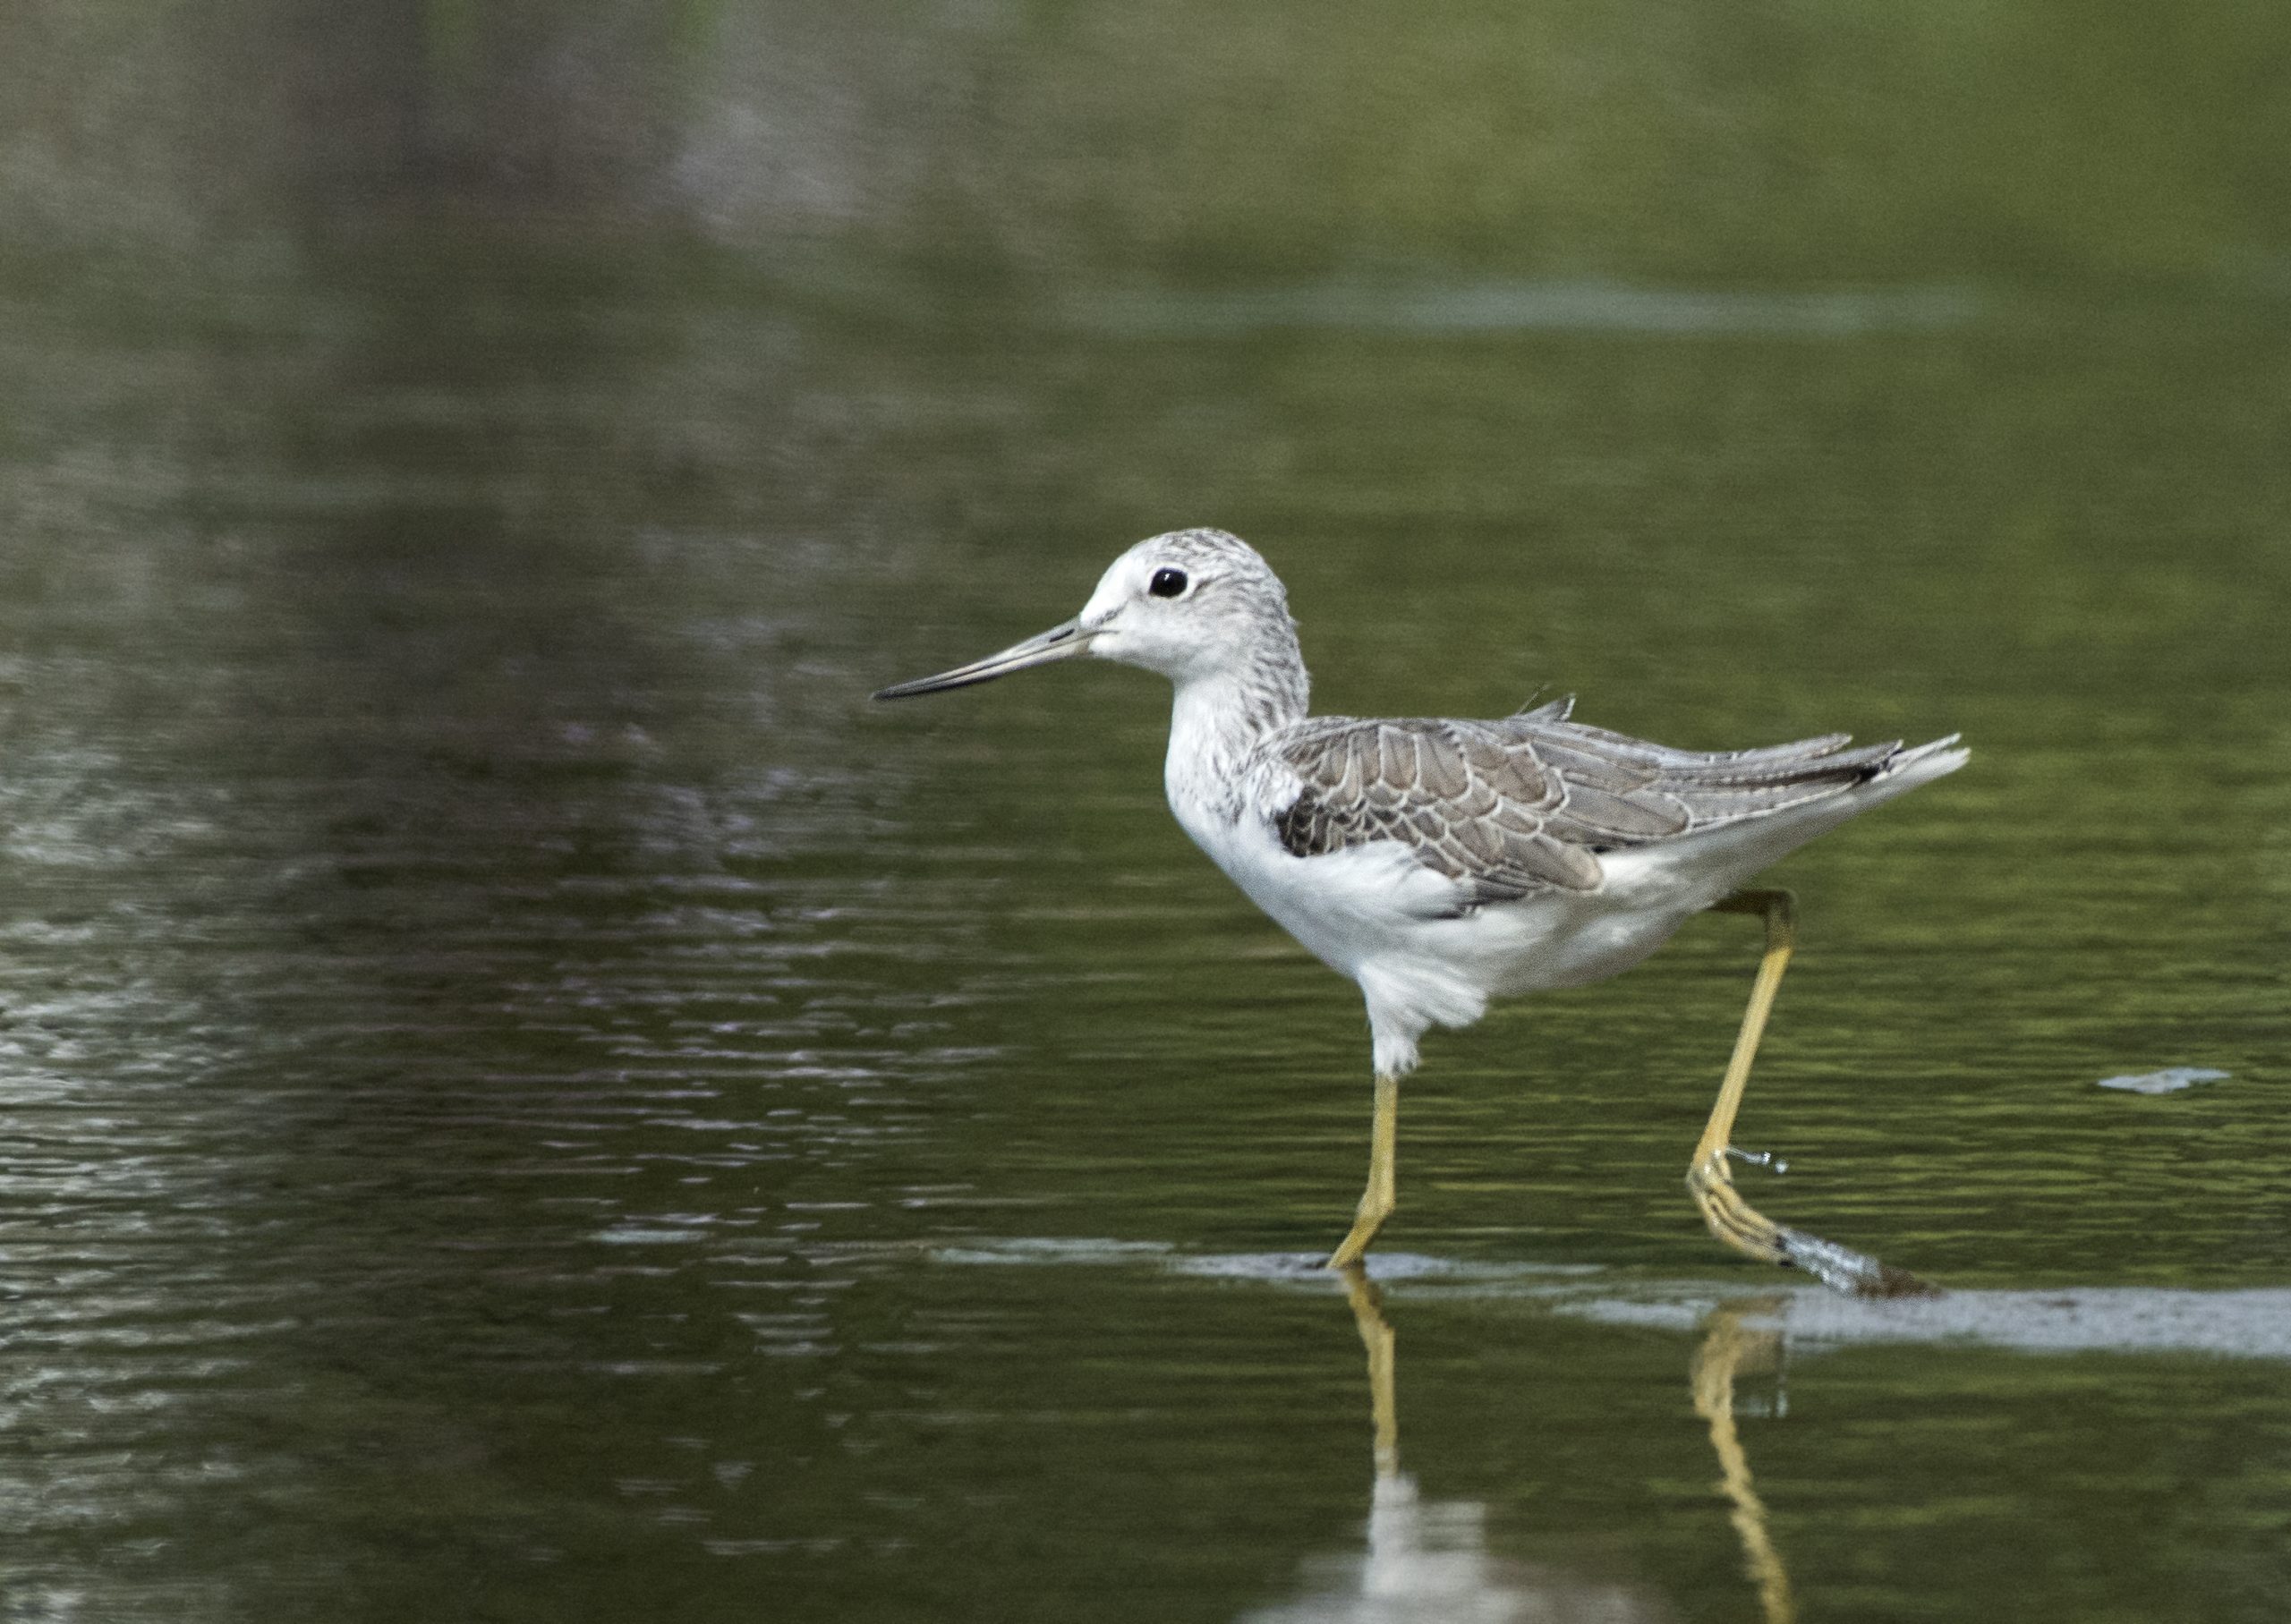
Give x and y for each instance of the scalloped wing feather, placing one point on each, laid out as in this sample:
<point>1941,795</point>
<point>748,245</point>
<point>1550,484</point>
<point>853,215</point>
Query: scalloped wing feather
<point>1528,803</point>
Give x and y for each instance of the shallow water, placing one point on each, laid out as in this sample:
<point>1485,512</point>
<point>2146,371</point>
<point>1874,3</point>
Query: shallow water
<point>523,1096</point>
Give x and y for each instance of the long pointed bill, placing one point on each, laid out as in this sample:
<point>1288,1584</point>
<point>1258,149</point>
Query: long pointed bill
<point>1059,643</point>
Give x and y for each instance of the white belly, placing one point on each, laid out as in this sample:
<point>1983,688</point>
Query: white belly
<point>1374,914</point>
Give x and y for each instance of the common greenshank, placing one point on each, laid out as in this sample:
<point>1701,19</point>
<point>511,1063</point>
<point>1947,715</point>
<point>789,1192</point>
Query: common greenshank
<point>1441,863</point>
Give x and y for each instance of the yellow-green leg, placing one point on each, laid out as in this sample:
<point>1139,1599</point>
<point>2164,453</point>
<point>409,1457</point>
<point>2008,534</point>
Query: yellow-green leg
<point>1732,1220</point>
<point>1378,1200</point>
<point>1711,1181</point>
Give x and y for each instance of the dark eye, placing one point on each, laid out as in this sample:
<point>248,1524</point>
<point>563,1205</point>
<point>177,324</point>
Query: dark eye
<point>1167,583</point>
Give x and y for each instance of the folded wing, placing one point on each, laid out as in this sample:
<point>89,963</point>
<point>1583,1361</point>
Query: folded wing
<point>1529,803</point>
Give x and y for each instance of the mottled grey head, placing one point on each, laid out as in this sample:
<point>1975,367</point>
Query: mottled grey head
<point>1192,604</point>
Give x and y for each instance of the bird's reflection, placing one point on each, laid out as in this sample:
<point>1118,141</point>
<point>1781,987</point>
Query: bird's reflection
<point>1731,1348</point>
<point>1428,1562</point>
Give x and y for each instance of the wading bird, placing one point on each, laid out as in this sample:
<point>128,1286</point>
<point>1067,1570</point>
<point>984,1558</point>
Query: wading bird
<point>1441,863</point>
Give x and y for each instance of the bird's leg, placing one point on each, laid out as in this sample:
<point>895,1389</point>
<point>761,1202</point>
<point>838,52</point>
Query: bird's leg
<point>1378,1200</point>
<point>1711,1182</point>
<point>1730,1219</point>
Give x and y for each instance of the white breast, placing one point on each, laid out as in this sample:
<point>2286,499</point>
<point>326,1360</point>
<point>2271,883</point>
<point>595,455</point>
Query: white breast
<point>1373,912</point>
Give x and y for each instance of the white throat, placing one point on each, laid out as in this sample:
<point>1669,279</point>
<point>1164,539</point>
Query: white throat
<point>1216,722</point>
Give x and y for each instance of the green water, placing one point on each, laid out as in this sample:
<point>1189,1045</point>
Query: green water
<point>524,1097</point>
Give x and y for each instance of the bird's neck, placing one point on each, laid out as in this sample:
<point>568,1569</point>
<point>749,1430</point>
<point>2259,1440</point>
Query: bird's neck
<point>1220,717</point>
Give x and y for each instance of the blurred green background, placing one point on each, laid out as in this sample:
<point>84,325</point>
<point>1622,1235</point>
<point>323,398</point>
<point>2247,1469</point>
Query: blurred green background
<point>1080,144</point>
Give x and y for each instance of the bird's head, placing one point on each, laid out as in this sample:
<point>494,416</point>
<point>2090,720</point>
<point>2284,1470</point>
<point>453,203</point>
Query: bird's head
<point>1189,604</point>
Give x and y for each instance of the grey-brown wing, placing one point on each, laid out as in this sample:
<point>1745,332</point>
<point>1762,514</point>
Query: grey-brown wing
<point>1706,787</point>
<point>1531,801</point>
<point>1469,805</point>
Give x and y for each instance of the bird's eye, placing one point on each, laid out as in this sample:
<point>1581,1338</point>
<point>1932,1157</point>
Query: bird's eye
<point>1167,583</point>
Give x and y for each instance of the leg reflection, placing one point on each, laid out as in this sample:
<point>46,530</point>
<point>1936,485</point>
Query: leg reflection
<point>1730,1348</point>
<point>1428,1562</point>
<point>1376,1336</point>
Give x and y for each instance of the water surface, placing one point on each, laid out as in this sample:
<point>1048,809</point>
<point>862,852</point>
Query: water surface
<point>523,1096</point>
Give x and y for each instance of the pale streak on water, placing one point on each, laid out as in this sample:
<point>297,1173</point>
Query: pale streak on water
<point>1532,307</point>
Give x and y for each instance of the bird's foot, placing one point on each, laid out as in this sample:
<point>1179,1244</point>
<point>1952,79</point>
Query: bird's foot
<point>1354,1246</point>
<point>1751,1232</point>
<point>1375,1206</point>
